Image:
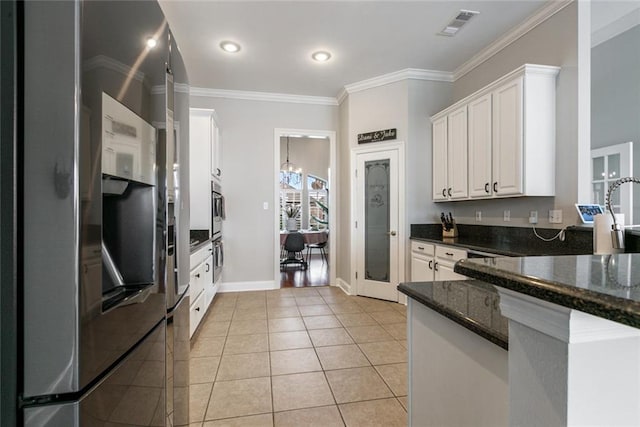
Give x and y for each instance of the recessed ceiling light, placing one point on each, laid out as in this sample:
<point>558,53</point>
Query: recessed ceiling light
<point>321,56</point>
<point>230,47</point>
<point>151,42</point>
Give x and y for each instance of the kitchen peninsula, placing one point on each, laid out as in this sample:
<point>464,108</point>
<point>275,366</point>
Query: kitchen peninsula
<point>573,346</point>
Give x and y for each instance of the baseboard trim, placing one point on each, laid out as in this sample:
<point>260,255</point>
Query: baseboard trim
<point>248,286</point>
<point>342,284</point>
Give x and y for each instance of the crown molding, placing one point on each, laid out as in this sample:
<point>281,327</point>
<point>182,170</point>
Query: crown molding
<point>263,96</point>
<point>407,73</point>
<point>544,13</point>
<point>105,62</point>
<point>342,95</point>
<point>615,28</point>
<point>177,87</point>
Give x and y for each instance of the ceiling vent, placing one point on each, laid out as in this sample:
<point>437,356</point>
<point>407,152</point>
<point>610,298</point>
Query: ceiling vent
<point>456,23</point>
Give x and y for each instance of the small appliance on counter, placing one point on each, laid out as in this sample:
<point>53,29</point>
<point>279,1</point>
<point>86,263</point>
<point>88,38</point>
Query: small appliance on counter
<point>449,227</point>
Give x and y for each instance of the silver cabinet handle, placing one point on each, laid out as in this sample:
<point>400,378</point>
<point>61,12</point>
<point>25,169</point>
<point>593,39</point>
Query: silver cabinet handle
<point>391,233</point>
<point>208,267</point>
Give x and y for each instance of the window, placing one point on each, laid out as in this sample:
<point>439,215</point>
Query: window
<point>609,164</point>
<point>290,196</point>
<point>317,203</point>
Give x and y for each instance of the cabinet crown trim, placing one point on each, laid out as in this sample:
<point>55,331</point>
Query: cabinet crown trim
<point>523,70</point>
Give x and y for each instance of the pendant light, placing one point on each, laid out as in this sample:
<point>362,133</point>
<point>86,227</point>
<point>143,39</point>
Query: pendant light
<point>289,168</point>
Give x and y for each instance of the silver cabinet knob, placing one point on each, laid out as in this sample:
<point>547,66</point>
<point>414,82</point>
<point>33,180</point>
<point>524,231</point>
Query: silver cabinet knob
<point>391,233</point>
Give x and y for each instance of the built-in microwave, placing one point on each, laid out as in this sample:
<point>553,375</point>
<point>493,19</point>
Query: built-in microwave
<point>217,210</point>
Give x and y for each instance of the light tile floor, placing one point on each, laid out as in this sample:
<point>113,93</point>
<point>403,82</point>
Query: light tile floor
<point>299,357</point>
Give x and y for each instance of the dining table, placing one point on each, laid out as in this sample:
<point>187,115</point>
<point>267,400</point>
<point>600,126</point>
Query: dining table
<point>309,236</point>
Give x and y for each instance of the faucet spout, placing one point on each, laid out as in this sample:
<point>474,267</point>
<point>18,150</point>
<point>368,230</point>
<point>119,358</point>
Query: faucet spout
<point>617,230</point>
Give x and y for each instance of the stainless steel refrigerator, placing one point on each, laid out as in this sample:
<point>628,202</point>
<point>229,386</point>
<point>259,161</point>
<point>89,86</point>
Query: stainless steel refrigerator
<point>98,209</point>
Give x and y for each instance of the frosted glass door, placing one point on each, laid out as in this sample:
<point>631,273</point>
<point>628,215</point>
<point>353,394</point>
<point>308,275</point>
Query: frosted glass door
<point>377,224</point>
<point>376,240</point>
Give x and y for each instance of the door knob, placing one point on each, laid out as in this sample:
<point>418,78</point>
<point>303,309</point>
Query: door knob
<point>391,233</point>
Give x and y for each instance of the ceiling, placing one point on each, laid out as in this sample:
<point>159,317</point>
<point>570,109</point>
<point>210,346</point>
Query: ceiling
<point>366,38</point>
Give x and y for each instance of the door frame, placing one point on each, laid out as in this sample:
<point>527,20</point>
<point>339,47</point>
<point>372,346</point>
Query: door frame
<point>333,187</point>
<point>398,146</point>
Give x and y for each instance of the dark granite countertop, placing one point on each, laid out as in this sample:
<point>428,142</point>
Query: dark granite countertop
<point>607,286</point>
<point>427,293</point>
<point>508,241</point>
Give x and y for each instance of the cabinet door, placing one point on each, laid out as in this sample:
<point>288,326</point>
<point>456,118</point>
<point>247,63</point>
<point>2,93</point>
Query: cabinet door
<point>200,169</point>
<point>457,155</point>
<point>216,151</point>
<point>440,159</point>
<point>480,184</point>
<point>507,139</point>
<point>421,269</point>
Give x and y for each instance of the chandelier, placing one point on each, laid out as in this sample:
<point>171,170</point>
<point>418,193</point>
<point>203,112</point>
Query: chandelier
<point>289,172</point>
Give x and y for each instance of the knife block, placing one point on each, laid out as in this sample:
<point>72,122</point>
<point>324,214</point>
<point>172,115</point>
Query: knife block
<point>450,233</point>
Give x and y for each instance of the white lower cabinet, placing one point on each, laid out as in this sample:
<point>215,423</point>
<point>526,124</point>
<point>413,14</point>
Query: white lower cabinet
<point>201,287</point>
<point>422,261</point>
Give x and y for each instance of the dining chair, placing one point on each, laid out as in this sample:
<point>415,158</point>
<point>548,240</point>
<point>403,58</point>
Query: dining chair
<point>294,245</point>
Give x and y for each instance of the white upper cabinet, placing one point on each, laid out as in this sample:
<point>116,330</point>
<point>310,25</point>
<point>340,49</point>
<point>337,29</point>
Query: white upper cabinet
<point>216,150</point>
<point>480,183</point>
<point>450,156</point>
<point>440,158</point>
<point>510,128</point>
<point>457,155</point>
<point>507,139</point>
<point>200,139</point>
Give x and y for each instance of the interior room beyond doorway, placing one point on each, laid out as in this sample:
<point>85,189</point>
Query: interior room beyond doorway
<point>303,202</point>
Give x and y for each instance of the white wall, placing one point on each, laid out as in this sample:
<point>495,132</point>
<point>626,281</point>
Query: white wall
<point>248,180</point>
<point>554,42</point>
<point>615,93</point>
<point>343,250</point>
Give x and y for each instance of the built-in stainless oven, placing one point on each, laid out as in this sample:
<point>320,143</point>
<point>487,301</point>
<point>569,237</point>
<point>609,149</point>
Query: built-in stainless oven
<point>218,259</point>
<point>217,210</point>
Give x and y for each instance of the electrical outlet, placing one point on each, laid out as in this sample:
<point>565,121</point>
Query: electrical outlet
<point>265,205</point>
<point>506,216</point>
<point>478,215</point>
<point>533,217</point>
<point>555,216</point>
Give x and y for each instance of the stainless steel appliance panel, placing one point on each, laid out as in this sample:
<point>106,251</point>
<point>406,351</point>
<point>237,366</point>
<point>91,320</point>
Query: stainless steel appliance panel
<point>217,210</point>
<point>178,347</point>
<point>99,49</point>
<point>51,210</point>
<point>218,259</point>
<point>133,393</point>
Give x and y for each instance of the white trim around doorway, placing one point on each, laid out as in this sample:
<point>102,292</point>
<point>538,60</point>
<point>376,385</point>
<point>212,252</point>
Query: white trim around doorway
<point>333,185</point>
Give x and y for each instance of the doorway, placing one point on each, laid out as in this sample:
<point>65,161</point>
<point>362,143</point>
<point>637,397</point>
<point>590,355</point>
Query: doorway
<point>379,220</point>
<point>305,203</point>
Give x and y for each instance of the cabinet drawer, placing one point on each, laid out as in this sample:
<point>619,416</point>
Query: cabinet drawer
<point>197,281</point>
<point>200,256</point>
<point>422,248</point>
<point>480,306</point>
<point>449,253</point>
<point>196,313</point>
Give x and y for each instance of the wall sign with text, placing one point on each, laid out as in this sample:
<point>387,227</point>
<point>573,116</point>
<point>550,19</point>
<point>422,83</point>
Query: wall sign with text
<point>376,136</point>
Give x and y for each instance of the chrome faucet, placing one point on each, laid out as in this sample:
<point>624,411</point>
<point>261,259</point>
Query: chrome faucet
<point>617,230</point>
